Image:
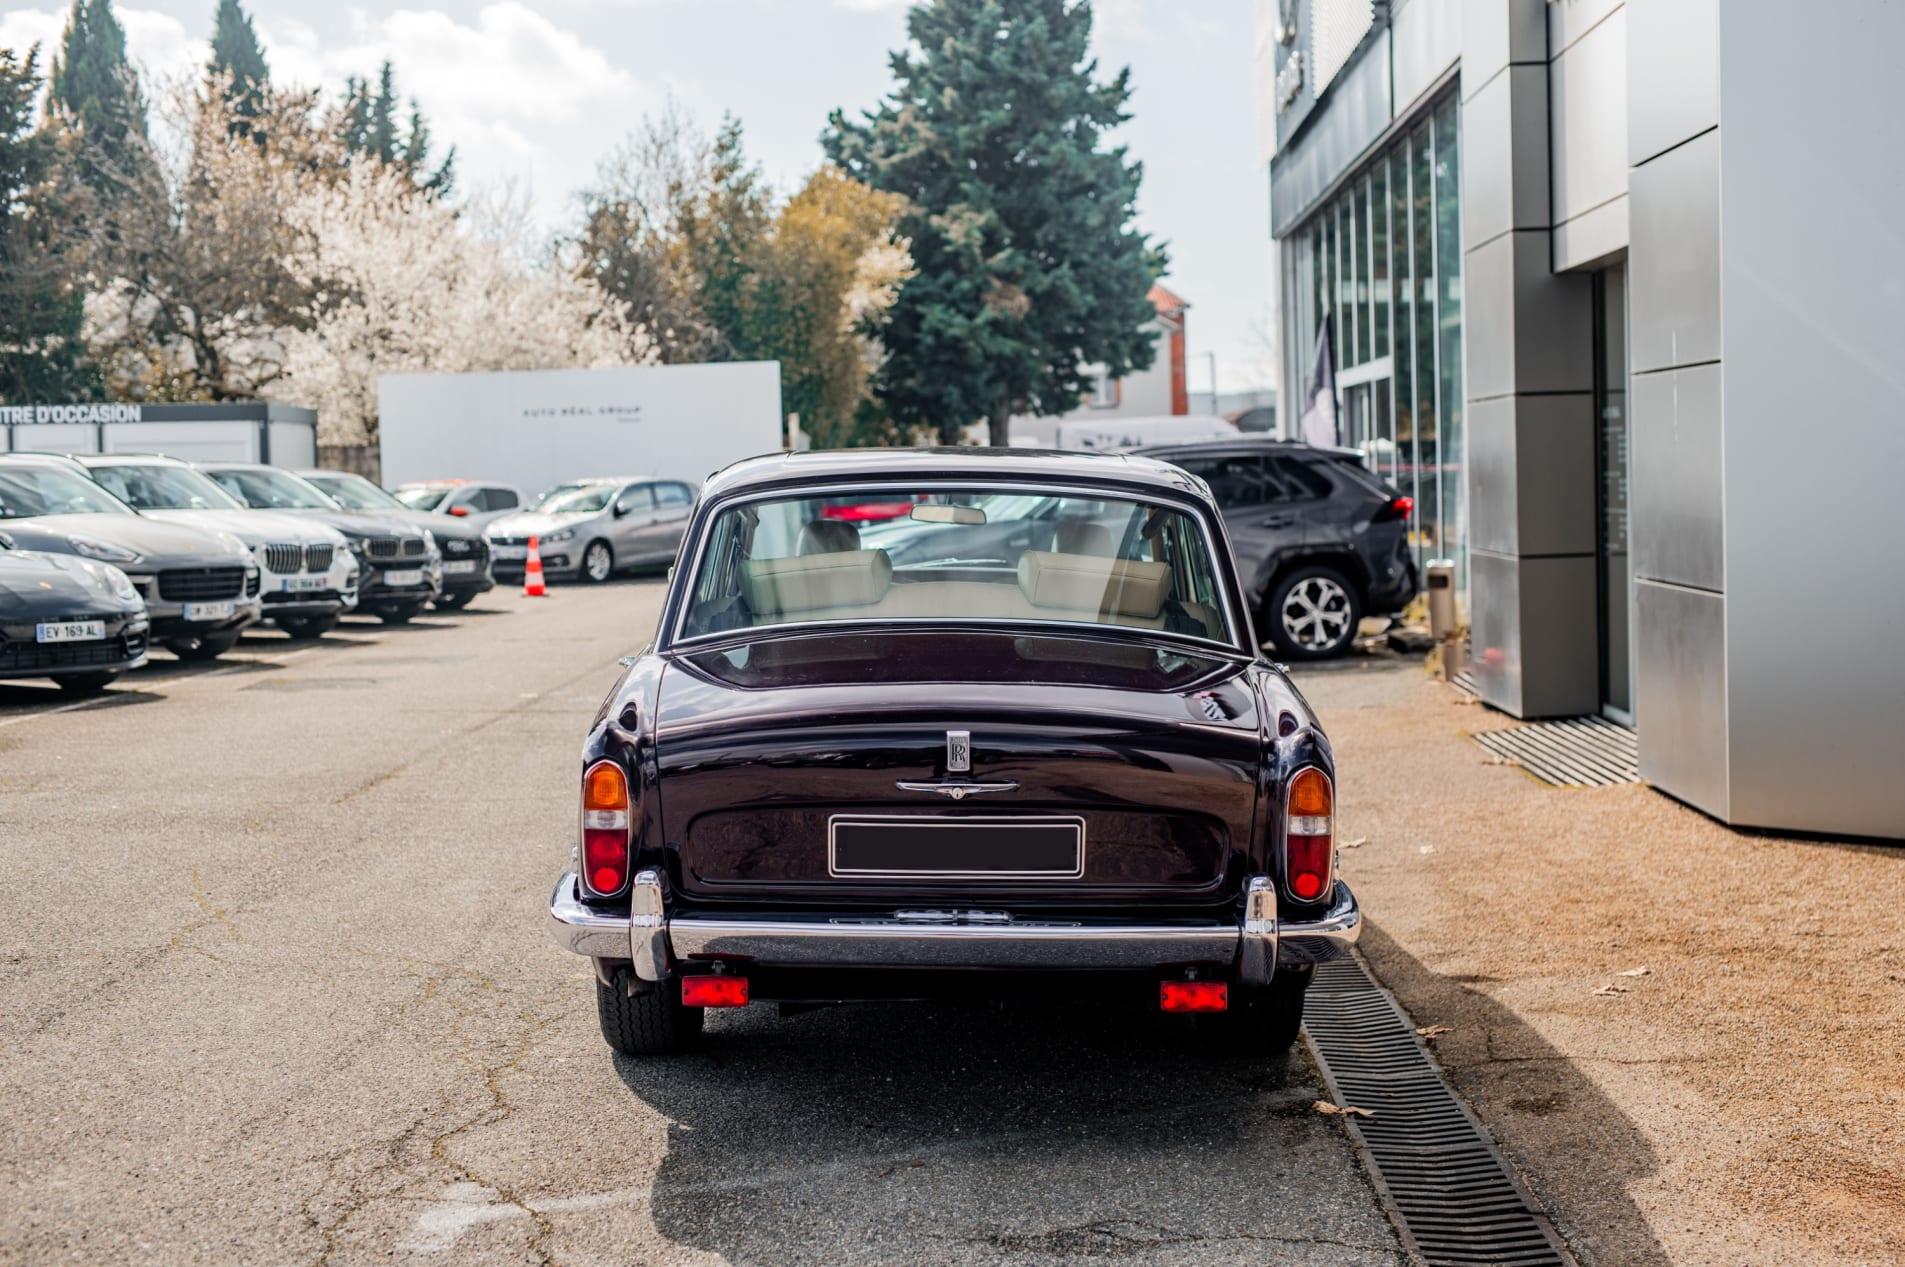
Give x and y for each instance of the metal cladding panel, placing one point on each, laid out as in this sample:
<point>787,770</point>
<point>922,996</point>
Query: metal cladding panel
<point>1498,32</point>
<point>1554,473</point>
<point>1587,96</point>
<point>1674,256</point>
<point>1488,318</point>
<point>1678,502</point>
<point>1814,308</point>
<point>1493,485</point>
<point>1673,69</point>
<point>1352,114</point>
<point>1680,700</point>
<point>1534,648</point>
<point>1575,19</point>
<point>1426,41</point>
<point>1505,156</point>
<point>1593,238</point>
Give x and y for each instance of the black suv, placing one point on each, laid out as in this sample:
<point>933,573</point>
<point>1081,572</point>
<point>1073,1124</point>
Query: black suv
<point>1320,541</point>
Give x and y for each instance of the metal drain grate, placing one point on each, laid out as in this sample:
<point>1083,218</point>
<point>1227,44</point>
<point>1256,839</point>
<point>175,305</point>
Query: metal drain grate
<point>1447,1188</point>
<point>1572,752</point>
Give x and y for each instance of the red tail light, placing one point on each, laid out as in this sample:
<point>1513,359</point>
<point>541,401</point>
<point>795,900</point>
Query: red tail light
<point>1194,996</point>
<point>605,832</point>
<point>714,991</point>
<point>1309,829</point>
<point>1398,508</point>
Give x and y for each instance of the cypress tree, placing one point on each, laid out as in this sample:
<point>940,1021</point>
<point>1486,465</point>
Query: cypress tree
<point>240,60</point>
<point>41,356</point>
<point>367,125</point>
<point>95,90</point>
<point>1030,270</point>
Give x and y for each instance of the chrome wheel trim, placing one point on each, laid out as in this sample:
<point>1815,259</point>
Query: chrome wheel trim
<point>597,561</point>
<point>1315,613</point>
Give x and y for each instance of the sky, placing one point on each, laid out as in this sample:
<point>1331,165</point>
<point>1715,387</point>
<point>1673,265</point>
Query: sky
<point>533,96</point>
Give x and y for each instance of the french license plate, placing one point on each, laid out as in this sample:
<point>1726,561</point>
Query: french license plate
<point>70,631</point>
<point>302,584</point>
<point>945,847</point>
<point>459,567</point>
<point>404,576</point>
<point>510,552</point>
<point>209,611</point>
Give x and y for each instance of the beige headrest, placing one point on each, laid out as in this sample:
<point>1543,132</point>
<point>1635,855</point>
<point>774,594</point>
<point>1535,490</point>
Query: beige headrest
<point>1081,536</point>
<point>1084,582</point>
<point>807,582</point>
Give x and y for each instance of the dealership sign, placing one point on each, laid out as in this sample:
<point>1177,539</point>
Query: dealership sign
<point>20,415</point>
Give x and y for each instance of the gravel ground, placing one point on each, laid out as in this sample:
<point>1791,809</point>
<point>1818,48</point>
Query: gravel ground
<point>1743,1102</point>
<point>275,988</point>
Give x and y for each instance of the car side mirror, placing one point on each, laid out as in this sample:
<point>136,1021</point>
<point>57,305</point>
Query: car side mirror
<point>620,509</point>
<point>6,542</point>
<point>459,511</point>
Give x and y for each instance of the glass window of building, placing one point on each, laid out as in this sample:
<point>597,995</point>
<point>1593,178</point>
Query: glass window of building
<point>1377,270</point>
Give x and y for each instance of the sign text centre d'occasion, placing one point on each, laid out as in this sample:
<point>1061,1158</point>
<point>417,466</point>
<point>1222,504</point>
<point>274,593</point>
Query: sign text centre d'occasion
<point>17,414</point>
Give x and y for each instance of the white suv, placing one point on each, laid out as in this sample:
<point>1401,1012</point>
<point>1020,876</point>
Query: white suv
<point>308,575</point>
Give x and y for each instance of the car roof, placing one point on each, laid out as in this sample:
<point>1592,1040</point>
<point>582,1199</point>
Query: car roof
<point>1246,443</point>
<point>951,463</point>
<point>127,459</point>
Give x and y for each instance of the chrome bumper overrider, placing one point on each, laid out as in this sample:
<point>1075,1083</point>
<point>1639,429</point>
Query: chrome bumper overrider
<point>1257,944</point>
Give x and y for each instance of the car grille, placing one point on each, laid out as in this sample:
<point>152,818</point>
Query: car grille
<point>318,558</point>
<point>383,547</point>
<point>413,547</point>
<point>280,557</point>
<point>189,585</point>
<point>26,657</point>
<point>509,541</point>
<point>464,548</point>
<point>252,581</point>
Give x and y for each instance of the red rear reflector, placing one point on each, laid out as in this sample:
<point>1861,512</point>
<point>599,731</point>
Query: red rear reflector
<point>1194,996</point>
<point>714,991</point>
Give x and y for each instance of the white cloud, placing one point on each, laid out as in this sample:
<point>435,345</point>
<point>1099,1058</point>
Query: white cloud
<point>156,42</point>
<point>873,6</point>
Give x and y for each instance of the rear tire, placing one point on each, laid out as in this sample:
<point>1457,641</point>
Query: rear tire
<point>306,627</point>
<point>203,647</point>
<point>1312,614</point>
<point>85,683</point>
<point>1265,1020</point>
<point>650,1024</point>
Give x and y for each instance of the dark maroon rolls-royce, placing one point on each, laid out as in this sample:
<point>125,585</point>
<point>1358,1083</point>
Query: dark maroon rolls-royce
<point>1014,741</point>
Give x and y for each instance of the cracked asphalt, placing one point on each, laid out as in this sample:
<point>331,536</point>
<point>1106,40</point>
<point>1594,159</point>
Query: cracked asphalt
<point>274,988</point>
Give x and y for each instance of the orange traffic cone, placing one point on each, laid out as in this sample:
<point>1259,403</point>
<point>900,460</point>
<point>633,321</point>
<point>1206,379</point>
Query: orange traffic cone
<point>532,573</point>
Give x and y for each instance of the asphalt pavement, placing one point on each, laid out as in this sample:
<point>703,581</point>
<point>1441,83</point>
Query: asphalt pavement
<point>275,987</point>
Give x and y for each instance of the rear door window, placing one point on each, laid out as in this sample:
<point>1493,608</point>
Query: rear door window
<point>500,498</point>
<point>1238,481</point>
<point>1301,480</point>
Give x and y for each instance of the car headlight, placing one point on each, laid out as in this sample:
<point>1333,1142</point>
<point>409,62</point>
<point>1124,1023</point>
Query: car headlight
<point>104,550</point>
<point>110,580</point>
<point>560,534</point>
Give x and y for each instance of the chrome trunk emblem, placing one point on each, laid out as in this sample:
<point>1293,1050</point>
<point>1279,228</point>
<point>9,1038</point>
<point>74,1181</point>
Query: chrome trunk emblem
<point>958,791</point>
<point>958,751</point>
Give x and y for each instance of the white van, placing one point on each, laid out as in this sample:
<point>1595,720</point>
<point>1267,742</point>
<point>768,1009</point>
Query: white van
<point>1115,435</point>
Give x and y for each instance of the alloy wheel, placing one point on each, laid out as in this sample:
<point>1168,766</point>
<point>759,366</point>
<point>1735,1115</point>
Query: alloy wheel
<point>597,562</point>
<point>1316,613</point>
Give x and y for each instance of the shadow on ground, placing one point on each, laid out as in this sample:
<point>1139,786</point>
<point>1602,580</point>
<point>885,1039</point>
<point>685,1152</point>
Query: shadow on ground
<point>1556,1120</point>
<point>912,1133</point>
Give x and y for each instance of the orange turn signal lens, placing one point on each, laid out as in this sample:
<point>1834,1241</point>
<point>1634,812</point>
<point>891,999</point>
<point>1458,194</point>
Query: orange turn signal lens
<point>604,787</point>
<point>1310,794</point>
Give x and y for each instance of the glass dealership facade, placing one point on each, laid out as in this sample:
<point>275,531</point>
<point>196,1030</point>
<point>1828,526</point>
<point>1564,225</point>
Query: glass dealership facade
<point>1379,266</point>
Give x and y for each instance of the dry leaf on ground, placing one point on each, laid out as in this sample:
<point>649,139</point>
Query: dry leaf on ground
<point>1426,849</point>
<point>1635,972</point>
<point>1357,843</point>
<point>1499,761</point>
<point>1610,989</point>
<point>1349,1110</point>
<point>1435,1031</point>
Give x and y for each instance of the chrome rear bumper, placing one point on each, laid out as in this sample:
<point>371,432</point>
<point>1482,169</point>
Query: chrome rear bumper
<point>1255,945</point>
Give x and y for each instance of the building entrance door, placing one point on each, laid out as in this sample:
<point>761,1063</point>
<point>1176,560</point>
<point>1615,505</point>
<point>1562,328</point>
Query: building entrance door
<point>1611,454</point>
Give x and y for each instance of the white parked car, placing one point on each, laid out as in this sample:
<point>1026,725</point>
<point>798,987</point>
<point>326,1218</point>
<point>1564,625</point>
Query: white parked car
<point>308,575</point>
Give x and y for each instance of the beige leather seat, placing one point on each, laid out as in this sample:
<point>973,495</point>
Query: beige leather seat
<point>1076,536</point>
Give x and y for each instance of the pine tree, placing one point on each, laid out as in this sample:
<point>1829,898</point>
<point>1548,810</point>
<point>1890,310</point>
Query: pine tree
<point>238,62</point>
<point>367,125</point>
<point>1029,268</point>
<point>94,89</point>
<point>42,358</point>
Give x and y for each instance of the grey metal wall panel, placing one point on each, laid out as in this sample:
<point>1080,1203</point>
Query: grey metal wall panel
<point>1493,521</point>
<point>1560,658</point>
<point>1592,240</point>
<point>1814,304</point>
<point>1495,628</point>
<point>1488,167</point>
<point>1554,321</point>
<point>1673,69</point>
<point>1677,501</point>
<point>1488,318</point>
<point>1496,33</point>
<point>1569,20</point>
<point>1554,474</point>
<point>1587,93</point>
<point>1352,114</point>
<point>1674,256</point>
<point>1425,40</point>
<point>1680,685</point>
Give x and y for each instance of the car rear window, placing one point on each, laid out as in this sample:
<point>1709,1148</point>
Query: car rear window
<point>967,556</point>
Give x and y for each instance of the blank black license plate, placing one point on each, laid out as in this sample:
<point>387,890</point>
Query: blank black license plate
<point>1003,848</point>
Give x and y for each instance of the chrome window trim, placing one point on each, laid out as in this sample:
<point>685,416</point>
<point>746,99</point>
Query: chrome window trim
<point>1237,622</point>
